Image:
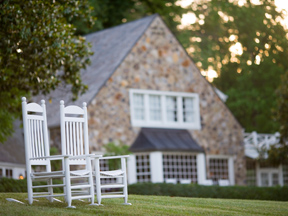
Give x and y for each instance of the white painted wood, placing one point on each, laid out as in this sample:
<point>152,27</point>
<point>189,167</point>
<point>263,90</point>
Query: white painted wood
<point>132,169</point>
<point>254,142</point>
<point>156,167</point>
<point>146,109</point>
<point>171,181</point>
<point>231,171</point>
<point>207,182</point>
<point>76,145</point>
<point>179,110</point>
<point>269,172</point>
<point>179,124</point>
<point>121,176</point>
<point>201,168</point>
<point>185,181</point>
<point>37,148</point>
<point>34,107</point>
<point>223,182</point>
<point>73,110</point>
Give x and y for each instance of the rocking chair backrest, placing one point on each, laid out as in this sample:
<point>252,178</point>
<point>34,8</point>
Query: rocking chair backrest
<point>74,131</point>
<point>35,132</point>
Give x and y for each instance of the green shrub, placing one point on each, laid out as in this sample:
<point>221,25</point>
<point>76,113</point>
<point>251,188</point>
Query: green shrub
<point>13,185</point>
<point>228,192</point>
<point>115,149</point>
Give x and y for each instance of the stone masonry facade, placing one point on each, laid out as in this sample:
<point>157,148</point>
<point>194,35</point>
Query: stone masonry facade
<point>158,62</point>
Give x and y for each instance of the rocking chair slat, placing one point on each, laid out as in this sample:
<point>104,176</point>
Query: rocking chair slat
<point>66,144</point>
<point>71,140</point>
<point>38,138</point>
<point>41,139</point>
<point>80,139</point>
<point>77,138</point>
<point>74,138</point>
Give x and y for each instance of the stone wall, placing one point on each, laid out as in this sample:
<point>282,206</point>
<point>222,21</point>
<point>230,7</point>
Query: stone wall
<point>158,62</point>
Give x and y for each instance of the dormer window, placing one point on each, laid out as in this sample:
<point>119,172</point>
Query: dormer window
<point>164,109</point>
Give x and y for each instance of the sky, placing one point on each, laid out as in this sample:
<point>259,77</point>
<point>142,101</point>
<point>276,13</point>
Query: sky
<point>189,18</point>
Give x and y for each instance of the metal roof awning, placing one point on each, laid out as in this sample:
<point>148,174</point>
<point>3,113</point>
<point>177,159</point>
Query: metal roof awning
<point>155,139</point>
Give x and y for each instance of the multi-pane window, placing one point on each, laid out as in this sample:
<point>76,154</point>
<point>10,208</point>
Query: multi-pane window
<point>180,166</point>
<point>218,168</point>
<point>143,168</point>
<point>155,107</point>
<point>269,177</point>
<point>164,109</point>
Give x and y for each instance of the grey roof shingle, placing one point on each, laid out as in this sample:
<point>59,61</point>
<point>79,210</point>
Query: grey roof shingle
<point>110,47</point>
<point>158,139</point>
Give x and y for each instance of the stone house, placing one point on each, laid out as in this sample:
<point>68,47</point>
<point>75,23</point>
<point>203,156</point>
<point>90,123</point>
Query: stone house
<point>145,91</point>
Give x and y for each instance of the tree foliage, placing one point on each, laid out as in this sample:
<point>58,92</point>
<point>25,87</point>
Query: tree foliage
<point>38,50</point>
<point>278,153</point>
<point>247,46</point>
<point>110,13</point>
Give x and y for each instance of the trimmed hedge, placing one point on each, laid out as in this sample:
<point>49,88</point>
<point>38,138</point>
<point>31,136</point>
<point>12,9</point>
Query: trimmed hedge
<point>199,191</point>
<point>180,190</point>
<point>16,186</point>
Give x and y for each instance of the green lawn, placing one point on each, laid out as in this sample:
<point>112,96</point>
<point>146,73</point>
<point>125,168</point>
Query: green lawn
<point>144,205</point>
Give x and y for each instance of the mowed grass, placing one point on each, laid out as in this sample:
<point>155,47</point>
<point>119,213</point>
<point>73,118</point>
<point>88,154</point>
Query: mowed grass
<point>143,205</point>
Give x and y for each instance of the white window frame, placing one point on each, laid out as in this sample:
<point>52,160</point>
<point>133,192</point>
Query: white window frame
<point>178,173</point>
<point>179,124</point>
<point>269,171</point>
<point>231,174</point>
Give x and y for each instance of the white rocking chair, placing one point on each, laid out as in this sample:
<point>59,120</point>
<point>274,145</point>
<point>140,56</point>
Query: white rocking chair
<point>37,152</point>
<point>75,143</point>
<point>119,174</point>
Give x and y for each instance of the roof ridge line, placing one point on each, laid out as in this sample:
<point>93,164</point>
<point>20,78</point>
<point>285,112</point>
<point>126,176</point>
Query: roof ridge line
<point>129,50</point>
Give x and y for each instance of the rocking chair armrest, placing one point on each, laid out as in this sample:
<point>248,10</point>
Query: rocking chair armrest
<point>83,156</point>
<point>115,157</point>
<point>93,156</point>
<point>52,157</point>
<point>60,157</point>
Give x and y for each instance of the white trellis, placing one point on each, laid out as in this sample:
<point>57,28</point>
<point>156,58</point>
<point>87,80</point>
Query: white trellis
<point>255,143</point>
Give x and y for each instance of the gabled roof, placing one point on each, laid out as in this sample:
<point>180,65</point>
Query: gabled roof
<point>110,47</point>
<point>155,139</point>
